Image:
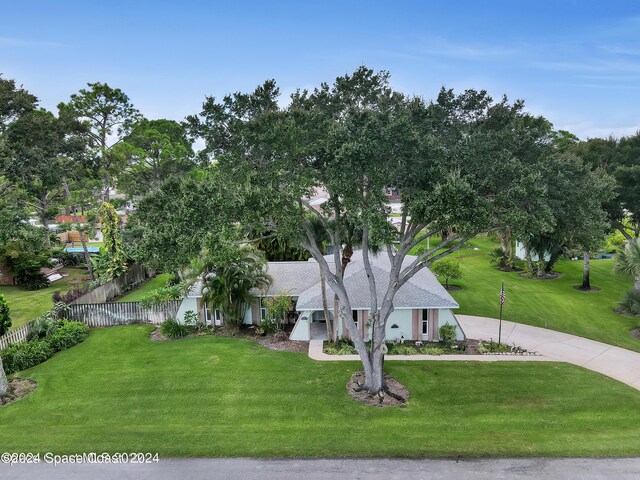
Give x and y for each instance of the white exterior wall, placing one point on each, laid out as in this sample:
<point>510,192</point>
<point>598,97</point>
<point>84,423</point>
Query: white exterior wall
<point>247,316</point>
<point>446,316</point>
<point>301,328</point>
<point>186,305</point>
<point>401,318</point>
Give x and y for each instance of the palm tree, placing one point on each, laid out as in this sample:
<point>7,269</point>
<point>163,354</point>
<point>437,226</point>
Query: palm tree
<point>227,282</point>
<point>628,263</point>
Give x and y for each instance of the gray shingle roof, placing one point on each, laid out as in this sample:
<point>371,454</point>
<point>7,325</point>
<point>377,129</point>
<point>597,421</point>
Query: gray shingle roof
<point>422,291</point>
<point>302,280</point>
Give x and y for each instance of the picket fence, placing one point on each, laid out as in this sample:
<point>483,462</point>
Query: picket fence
<point>103,315</point>
<point>110,314</point>
<point>16,336</point>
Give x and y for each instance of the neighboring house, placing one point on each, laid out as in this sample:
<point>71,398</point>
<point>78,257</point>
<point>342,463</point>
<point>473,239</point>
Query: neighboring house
<point>520,253</point>
<point>421,306</point>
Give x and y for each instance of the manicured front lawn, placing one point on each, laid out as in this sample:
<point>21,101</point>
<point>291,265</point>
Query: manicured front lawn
<point>210,396</point>
<point>553,304</point>
<point>26,305</point>
<point>143,290</point>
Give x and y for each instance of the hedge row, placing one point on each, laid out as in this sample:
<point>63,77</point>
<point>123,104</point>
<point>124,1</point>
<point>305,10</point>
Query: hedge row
<point>64,334</point>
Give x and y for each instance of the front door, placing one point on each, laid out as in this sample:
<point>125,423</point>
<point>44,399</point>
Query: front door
<point>424,332</point>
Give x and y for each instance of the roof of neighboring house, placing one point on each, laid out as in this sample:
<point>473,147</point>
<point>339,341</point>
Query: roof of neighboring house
<point>69,219</point>
<point>302,280</point>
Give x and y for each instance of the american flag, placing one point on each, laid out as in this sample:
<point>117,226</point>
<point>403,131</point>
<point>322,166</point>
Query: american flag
<point>503,296</point>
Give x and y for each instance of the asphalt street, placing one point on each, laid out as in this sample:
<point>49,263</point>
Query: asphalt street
<point>330,469</point>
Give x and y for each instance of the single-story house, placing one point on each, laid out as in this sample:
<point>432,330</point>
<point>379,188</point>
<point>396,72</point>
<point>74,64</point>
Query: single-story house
<point>421,305</point>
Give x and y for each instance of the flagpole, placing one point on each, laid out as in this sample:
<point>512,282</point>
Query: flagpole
<point>501,303</point>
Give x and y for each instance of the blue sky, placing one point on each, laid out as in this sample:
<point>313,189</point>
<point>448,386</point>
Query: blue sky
<point>575,62</point>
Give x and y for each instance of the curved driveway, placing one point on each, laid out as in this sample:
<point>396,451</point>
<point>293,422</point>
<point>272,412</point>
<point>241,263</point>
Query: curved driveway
<point>615,362</point>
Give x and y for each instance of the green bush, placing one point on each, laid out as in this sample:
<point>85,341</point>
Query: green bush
<point>40,328</point>
<point>267,326</point>
<point>66,334</point>
<point>344,347</point>
<point>631,303</point>
<point>430,350</point>
<point>5,317</point>
<point>21,356</point>
<point>401,349</point>
<point>173,329</point>
<point>448,333</point>
<point>493,347</point>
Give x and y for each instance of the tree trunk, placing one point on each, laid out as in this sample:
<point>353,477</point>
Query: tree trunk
<point>105,185</point>
<point>586,285</point>
<point>527,257</point>
<point>553,258</point>
<point>87,258</point>
<point>325,307</point>
<point>636,285</point>
<point>445,235</point>
<point>4,384</point>
<point>47,232</point>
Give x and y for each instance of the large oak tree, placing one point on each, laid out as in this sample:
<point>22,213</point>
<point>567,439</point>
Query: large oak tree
<point>464,163</point>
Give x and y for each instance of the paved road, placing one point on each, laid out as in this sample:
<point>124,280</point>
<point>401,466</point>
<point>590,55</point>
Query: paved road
<point>338,469</point>
<point>615,362</point>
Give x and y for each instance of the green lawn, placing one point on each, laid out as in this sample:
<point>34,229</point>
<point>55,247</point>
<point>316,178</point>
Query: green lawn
<point>26,305</point>
<point>211,396</point>
<point>554,304</point>
<point>143,290</point>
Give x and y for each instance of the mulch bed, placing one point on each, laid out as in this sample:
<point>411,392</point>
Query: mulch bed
<point>592,289</point>
<point>398,397</point>
<point>546,276</point>
<point>18,388</point>
<point>278,341</point>
<point>635,332</point>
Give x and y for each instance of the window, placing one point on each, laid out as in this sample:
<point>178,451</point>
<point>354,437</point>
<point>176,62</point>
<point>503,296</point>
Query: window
<point>263,310</point>
<point>216,317</point>
<point>425,324</point>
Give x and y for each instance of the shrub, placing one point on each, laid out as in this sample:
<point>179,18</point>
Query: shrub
<point>173,329</point>
<point>5,317</point>
<point>190,318</point>
<point>32,280</point>
<point>161,295</point>
<point>401,349</point>
<point>631,303</point>
<point>430,350</point>
<point>69,259</point>
<point>70,296</point>
<point>493,347</point>
<point>21,356</point>
<point>173,280</point>
<point>448,333</point>
<point>40,328</point>
<point>343,347</point>
<point>267,326</point>
<point>66,334</point>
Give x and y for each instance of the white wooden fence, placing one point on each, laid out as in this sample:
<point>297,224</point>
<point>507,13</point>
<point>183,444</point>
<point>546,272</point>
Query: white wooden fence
<point>110,314</point>
<point>16,336</point>
<point>103,315</point>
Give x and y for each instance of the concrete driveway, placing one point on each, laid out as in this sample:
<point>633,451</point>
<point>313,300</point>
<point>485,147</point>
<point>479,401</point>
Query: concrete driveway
<point>615,362</point>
